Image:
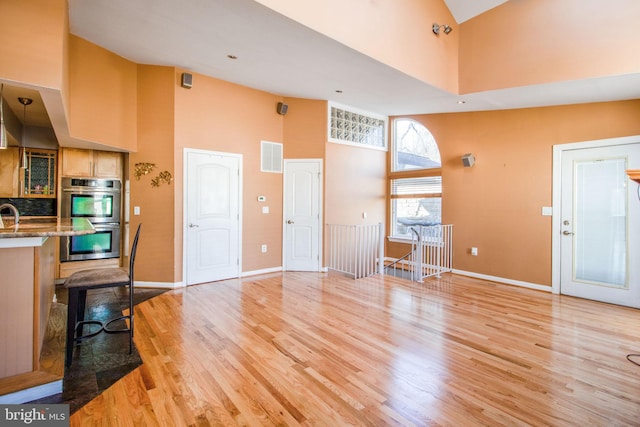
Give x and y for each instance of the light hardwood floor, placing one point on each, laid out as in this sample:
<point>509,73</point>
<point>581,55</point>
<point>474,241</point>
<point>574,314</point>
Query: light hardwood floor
<point>322,349</point>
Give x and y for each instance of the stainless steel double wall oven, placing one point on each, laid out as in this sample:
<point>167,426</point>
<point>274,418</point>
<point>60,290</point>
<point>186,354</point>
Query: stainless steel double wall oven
<point>97,200</point>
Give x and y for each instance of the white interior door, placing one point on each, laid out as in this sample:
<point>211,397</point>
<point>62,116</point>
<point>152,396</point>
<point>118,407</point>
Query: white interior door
<point>600,229</point>
<point>302,203</point>
<point>212,216</point>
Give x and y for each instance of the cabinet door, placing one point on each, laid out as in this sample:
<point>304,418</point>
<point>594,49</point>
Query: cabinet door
<point>39,178</point>
<point>107,164</point>
<point>77,162</point>
<point>9,172</point>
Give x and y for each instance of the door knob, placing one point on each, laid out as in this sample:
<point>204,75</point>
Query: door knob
<point>193,225</point>
<point>567,233</point>
<point>290,222</point>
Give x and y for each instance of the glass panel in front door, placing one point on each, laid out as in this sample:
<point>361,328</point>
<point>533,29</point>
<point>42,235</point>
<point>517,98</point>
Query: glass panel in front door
<point>600,222</point>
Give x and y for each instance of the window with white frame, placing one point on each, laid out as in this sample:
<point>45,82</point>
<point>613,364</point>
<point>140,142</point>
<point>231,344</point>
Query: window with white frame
<point>414,147</point>
<point>415,180</point>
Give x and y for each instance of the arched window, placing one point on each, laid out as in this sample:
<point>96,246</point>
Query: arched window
<point>415,179</point>
<point>414,146</point>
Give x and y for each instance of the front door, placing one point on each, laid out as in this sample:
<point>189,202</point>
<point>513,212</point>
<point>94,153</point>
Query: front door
<point>212,216</point>
<point>301,229</point>
<point>600,224</point>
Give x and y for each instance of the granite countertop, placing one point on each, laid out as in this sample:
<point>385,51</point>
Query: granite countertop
<point>48,227</point>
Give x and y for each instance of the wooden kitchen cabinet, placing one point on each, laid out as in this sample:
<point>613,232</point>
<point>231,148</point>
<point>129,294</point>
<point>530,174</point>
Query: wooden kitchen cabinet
<point>39,177</point>
<point>107,164</point>
<point>10,172</point>
<point>91,163</point>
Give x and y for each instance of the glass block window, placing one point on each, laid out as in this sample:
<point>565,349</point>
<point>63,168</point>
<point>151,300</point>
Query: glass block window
<point>348,126</point>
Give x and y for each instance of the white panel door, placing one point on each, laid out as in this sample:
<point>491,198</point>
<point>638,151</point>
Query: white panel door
<point>212,216</point>
<point>302,193</point>
<point>600,214</point>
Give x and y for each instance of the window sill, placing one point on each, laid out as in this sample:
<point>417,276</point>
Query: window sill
<point>397,239</point>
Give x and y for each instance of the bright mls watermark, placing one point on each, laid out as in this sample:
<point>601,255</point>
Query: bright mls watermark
<point>34,415</point>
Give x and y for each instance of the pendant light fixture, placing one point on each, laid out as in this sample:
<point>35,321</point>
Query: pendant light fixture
<point>24,102</point>
<point>4,142</point>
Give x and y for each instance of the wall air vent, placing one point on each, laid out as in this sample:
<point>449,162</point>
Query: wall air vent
<point>270,157</point>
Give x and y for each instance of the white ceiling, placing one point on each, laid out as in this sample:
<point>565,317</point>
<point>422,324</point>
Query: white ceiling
<point>463,10</point>
<point>280,56</point>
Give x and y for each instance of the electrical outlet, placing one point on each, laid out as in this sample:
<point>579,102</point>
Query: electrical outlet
<point>264,249</point>
<point>474,251</point>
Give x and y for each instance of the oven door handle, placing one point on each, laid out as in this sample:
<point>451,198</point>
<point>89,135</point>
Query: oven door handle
<point>91,191</point>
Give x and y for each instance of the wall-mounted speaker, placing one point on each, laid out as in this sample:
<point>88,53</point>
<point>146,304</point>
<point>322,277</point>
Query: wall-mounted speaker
<point>468,160</point>
<point>282,108</point>
<point>187,80</point>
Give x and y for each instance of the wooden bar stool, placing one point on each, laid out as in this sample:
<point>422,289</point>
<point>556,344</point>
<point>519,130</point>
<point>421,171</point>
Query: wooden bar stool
<point>80,282</point>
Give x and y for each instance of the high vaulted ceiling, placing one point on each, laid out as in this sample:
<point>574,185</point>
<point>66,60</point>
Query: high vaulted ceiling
<point>463,10</point>
<point>281,56</point>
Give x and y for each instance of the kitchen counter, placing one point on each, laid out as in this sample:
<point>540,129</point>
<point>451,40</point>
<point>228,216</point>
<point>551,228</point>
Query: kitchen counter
<point>33,231</point>
<point>27,262</point>
<point>34,227</point>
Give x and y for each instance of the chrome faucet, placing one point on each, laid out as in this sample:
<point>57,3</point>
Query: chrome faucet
<point>16,215</point>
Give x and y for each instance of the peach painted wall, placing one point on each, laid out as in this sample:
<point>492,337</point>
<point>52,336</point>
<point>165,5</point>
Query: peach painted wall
<point>33,36</point>
<point>221,116</point>
<point>531,42</point>
<point>396,33</point>
<point>355,182</point>
<point>157,252</point>
<point>496,205</point>
<point>102,96</point>
<point>305,129</point>
<point>354,178</point>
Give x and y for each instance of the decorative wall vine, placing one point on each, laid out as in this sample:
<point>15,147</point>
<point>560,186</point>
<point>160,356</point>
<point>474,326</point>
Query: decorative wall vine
<point>146,168</point>
<point>164,176</point>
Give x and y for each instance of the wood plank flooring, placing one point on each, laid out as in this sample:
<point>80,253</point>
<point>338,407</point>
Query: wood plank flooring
<point>322,349</point>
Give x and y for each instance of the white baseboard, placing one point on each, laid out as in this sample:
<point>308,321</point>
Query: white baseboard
<point>33,393</point>
<point>161,285</point>
<point>503,280</point>
<point>263,271</point>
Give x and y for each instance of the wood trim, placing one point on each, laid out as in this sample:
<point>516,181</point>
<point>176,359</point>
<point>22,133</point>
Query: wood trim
<point>25,381</point>
<point>36,308</point>
<point>66,269</point>
<point>415,196</point>
<point>415,173</point>
<point>634,174</point>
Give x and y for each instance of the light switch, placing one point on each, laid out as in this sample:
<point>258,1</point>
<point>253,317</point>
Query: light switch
<point>547,211</point>
<point>136,210</point>
<point>265,209</point>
